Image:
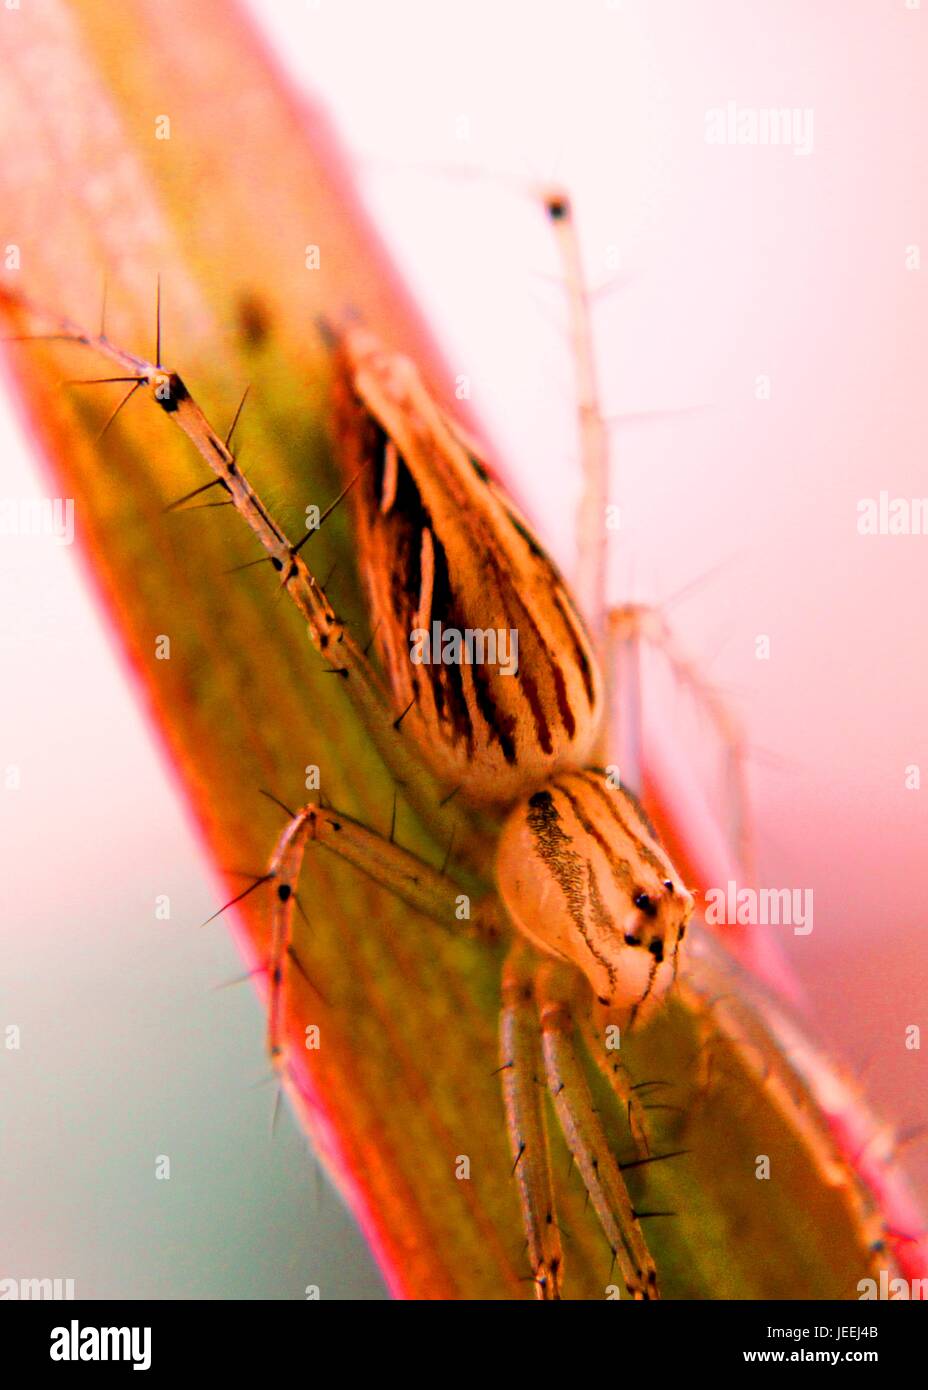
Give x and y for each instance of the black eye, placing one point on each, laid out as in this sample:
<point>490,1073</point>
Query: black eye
<point>645,905</point>
<point>656,947</point>
<point>668,884</point>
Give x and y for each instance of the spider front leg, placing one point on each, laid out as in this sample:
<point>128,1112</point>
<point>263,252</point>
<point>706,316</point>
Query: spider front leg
<point>523,1096</point>
<point>613,1070</point>
<point>585,1135</point>
<point>369,691</point>
<point>422,887</point>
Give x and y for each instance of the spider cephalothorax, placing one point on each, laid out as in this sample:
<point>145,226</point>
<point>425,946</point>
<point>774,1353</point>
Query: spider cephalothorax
<point>583,876</point>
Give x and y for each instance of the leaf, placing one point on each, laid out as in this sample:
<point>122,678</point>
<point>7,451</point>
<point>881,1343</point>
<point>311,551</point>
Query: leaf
<point>403,1082</point>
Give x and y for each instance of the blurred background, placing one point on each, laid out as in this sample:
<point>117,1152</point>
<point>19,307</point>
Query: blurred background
<point>768,303</point>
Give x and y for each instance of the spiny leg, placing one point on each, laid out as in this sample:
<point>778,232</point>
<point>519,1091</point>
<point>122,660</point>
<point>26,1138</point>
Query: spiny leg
<point>613,1069</point>
<point>821,1106</point>
<point>595,458</point>
<point>629,626</point>
<point>423,888</point>
<point>590,579</point>
<point>522,1079</point>
<point>432,893</point>
<point>329,636</point>
<point>586,1137</point>
<point>594,427</point>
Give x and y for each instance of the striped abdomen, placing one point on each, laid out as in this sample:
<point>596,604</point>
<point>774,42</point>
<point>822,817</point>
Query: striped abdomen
<point>477,633</point>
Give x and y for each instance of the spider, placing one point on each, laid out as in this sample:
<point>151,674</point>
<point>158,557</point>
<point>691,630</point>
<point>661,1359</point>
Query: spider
<point>580,894</point>
<point>591,910</point>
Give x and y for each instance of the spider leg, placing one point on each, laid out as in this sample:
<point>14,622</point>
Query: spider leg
<point>421,887</point>
<point>331,639</point>
<point>629,627</point>
<point>586,1138</point>
<point>592,537</point>
<point>523,1078</point>
<point>617,633</point>
<point>817,1102</point>
<point>615,1072</point>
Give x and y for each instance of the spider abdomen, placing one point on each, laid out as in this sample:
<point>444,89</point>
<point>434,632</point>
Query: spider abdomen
<point>477,633</point>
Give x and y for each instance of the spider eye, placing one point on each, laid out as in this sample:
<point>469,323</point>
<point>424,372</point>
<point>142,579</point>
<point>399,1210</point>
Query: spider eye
<point>645,904</point>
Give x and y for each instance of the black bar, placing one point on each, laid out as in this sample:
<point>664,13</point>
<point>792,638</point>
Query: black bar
<point>322,1342</point>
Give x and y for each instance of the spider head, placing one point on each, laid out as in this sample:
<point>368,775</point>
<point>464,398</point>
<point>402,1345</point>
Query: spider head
<point>582,874</point>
